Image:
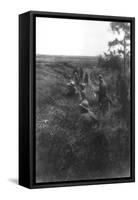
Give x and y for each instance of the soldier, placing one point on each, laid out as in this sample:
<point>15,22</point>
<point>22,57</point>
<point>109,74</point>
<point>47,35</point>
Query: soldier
<point>82,91</point>
<point>102,89</point>
<point>81,73</point>
<point>102,93</point>
<point>71,88</point>
<point>88,119</point>
<point>75,70</point>
<point>86,78</point>
<point>76,79</point>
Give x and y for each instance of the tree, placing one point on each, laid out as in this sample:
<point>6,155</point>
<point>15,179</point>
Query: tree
<point>121,44</point>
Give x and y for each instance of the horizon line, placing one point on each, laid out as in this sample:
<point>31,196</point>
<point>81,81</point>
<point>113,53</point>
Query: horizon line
<point>68,55</point>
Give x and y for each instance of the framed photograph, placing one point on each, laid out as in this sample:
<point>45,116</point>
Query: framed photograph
<point>76,99</point>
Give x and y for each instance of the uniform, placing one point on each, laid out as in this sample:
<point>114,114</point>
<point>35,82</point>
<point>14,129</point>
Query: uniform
<point>71,88</point>
<point>87,119</point>
<point>86,79</point>
<point>103,98</point>
<point>102,90</point>
<point>82,91</point>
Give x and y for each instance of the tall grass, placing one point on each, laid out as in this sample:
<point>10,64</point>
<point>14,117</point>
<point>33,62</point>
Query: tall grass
<point>65,150</point>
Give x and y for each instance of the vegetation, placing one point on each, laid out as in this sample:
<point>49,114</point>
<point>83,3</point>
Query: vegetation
<point>65,149</point>
<point>121,44</point>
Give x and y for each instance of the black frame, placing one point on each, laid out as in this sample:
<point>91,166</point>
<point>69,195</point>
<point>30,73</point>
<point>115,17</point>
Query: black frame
<point>27,48</point>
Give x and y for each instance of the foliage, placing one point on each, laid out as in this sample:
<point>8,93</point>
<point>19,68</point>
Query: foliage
<point>112,62</point>
<point>121,44</point>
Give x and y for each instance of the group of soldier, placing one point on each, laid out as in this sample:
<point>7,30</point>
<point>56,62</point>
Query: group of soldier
<point>77,86</point>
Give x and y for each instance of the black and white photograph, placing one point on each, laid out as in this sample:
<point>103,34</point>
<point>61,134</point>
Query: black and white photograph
<point>83,100</point>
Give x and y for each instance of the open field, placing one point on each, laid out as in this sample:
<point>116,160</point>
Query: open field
<point>64,151</point>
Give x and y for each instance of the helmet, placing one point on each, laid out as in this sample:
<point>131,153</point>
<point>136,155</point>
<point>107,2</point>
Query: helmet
<point>72,83</point>
<point>84,104</point>
<point>100,76</point>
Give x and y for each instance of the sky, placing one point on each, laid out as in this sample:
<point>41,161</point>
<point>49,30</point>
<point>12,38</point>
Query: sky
<point>72,37</point>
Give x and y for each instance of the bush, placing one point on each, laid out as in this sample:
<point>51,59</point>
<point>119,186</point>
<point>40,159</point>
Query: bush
<point>113,63</point>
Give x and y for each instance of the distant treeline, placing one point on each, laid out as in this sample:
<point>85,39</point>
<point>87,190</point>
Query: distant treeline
<point>70,60</point>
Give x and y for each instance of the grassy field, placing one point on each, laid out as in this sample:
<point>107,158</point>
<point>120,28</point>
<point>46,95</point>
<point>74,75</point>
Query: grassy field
<point>64,151</point>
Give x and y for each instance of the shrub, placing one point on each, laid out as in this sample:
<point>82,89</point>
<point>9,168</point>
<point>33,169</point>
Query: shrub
<point>112,63</point>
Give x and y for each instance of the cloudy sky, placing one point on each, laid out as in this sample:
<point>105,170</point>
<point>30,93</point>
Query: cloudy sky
<point>71,37</point>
